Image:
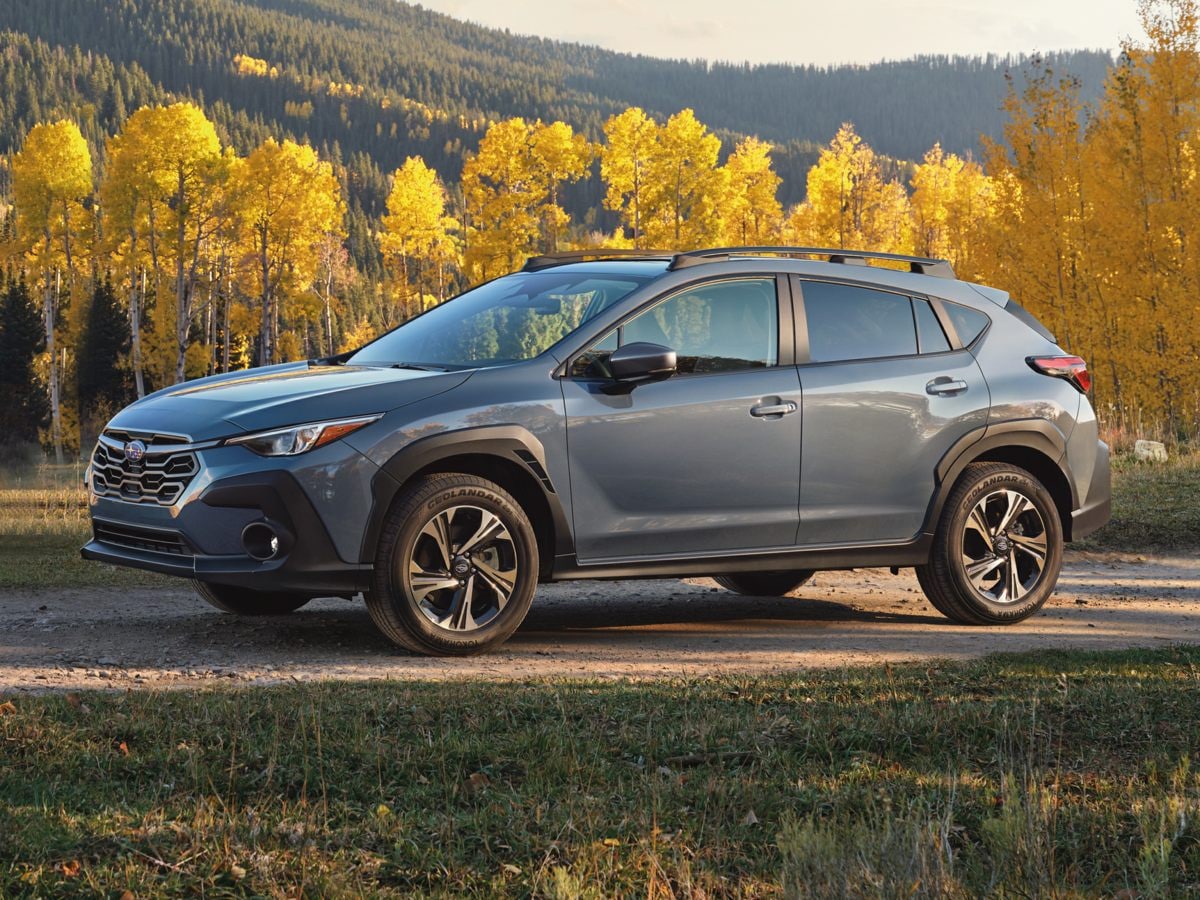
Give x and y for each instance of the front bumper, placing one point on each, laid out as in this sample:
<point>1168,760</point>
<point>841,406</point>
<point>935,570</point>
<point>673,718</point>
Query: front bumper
<point>201,538</point>
<point>1097,506</point>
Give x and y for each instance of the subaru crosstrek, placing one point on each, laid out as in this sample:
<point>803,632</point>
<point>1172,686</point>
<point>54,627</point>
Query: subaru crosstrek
<point>751,414</point>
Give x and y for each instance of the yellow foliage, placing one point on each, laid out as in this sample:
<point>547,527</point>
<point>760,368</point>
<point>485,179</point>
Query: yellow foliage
<point>511,191</point>
<point>284,200</point>
<point>631,141</point>
<point>685,186</point>
<point>244,64</point>
<point>753,215</point>
<point>850,204</point>
<point>418,238</point>
<point>361,333</point>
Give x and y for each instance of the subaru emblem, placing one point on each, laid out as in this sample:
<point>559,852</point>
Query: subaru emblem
<point>134,451</point>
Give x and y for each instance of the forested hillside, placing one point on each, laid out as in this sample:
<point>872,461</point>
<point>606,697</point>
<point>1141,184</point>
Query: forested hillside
<point>385,80</point>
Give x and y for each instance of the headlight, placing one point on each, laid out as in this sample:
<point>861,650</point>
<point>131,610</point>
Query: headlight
<point>300,438</point>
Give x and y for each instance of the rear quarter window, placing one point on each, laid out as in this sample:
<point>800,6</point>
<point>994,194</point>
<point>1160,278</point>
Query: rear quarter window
<point>969,323</point>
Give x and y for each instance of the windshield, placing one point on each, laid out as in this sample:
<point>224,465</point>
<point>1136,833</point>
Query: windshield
<point>507,320</point>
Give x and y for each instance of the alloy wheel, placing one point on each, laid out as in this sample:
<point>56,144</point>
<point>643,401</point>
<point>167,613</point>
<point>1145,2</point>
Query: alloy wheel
<point>462,568</point>
<point>1004,546</point>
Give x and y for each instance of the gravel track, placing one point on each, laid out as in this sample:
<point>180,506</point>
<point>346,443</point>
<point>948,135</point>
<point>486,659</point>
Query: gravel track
<point>113,638</point>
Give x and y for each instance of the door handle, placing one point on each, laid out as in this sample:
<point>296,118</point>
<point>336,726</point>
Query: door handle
<point>944,385</point>
<point>774,410</point>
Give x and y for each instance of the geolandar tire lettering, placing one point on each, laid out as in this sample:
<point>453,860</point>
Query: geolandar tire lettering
<point>456,567</point>
<point>998,548</point>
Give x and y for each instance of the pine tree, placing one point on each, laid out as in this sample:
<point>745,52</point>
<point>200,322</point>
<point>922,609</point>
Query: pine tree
<point>103,382</point>
<point>23,406</point>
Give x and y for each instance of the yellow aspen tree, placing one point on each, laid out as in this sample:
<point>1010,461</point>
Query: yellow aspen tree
<point>162,192</point>
<point>559,156</point>
<point>418,235</point>
<point>335,271</point>
<point>502,194</point>
<point>1043,203</point>
<point>685,186</point>
<point>511,191</point>
<point>1145,140</point>
<point>951,205</point>
<point>127,194</point>
<point>631,139</point>
<point>753,215</point>
<point>285,200</point>
<point>850,204</point>
<point>51,177</point>
<point>189,154</point>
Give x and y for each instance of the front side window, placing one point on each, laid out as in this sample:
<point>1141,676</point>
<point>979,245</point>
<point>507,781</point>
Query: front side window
<point>513,318</point>
<point>846,322</point>
<point>723,326</point>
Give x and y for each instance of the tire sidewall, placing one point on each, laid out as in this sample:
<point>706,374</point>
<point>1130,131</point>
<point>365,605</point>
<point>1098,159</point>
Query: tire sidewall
<point>391,586</point>
<point>993,611</point>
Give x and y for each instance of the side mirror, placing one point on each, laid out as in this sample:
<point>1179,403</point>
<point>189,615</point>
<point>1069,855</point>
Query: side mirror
<point>641,361</point>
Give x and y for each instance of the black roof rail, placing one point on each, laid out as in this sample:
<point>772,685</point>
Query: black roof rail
<point>921,265</point>
<point>563,257</point>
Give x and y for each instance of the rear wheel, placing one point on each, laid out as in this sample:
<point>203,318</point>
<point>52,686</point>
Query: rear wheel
<point>456,567</point>
<point>240,601</point>
<point>763,584</point>
<point>997,552</point>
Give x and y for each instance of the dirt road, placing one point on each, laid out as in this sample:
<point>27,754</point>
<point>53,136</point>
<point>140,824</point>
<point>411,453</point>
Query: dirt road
<point>107,638</point>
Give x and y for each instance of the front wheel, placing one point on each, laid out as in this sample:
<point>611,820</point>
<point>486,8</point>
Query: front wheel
<point>997,552</point>
<point>763,584</point>
<point>456,567</point>
<point>246,602</point>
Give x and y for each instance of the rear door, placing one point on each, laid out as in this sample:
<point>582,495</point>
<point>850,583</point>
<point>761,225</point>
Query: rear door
<point>888,389</point>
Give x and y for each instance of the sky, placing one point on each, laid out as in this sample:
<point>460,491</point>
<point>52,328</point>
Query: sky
<point>802,31</point>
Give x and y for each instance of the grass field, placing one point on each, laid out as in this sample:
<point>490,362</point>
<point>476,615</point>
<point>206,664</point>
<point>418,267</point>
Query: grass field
<point>1062,775</point>
<point>43,522</point>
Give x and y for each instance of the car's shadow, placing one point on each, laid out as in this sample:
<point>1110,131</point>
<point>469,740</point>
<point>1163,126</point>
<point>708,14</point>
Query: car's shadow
<point>645,608</point>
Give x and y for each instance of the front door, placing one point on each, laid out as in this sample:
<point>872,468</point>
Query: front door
<point>703,462</point>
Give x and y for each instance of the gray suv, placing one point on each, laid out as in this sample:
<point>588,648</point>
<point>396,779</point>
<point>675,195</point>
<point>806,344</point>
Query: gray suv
<point>755,414</point>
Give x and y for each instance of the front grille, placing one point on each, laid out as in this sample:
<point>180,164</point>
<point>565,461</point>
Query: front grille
<point>160,476</point>
<point>132,537</point>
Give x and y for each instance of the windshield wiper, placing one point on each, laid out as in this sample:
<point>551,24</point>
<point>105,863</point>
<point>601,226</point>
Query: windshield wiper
<point>418,366</point>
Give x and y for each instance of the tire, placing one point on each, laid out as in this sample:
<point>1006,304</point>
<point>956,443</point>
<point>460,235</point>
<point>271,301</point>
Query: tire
<point>438,587</point>
<point>997,552</point>
<point>763,584</point>
<point>241,601</point>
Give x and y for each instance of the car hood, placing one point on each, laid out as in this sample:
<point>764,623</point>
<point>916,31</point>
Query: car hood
<point>274,396</point>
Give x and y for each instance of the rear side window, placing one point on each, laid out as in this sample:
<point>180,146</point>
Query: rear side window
<point>929,330</point>
<point>847,322</point>
<point>969,323</point>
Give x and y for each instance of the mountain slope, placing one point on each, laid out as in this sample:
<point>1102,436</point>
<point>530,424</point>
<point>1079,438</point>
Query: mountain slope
<point>383,79</point>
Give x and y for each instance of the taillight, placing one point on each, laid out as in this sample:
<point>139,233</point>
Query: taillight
<point>1072,368</point>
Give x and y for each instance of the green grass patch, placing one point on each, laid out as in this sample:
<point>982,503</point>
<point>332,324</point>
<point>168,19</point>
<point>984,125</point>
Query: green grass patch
<point>1050,775</point>
<point>43,523</point>
<point>1156,506</point>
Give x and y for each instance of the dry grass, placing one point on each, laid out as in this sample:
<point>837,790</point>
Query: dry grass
<point>1056,775</point>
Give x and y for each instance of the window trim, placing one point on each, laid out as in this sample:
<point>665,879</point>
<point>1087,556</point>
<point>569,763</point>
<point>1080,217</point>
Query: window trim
<point>785,354</point>
<point>803,351</point>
